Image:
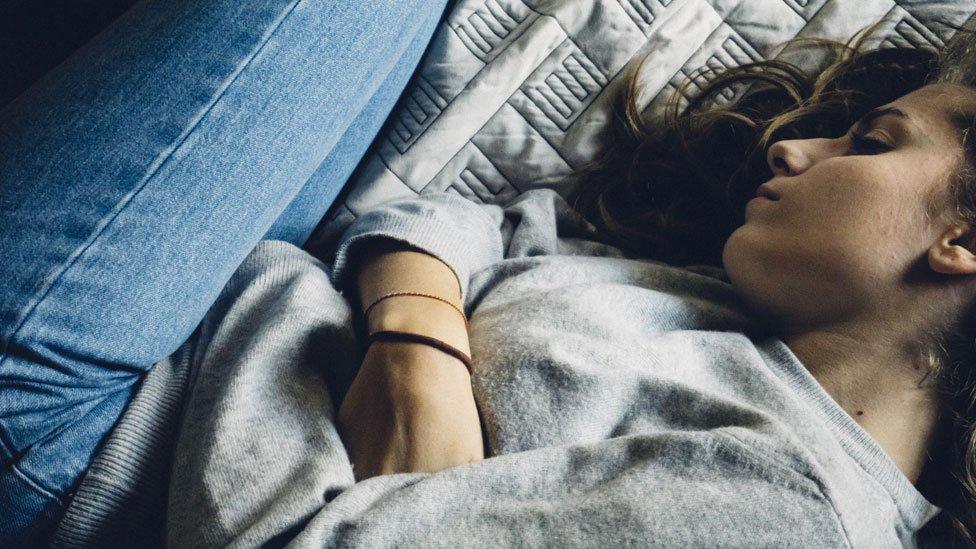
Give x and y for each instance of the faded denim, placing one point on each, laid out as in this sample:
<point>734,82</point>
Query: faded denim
<point>138,174</point>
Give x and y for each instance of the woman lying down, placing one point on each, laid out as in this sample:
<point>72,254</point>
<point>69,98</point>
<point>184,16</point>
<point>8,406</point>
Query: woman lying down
<point>677,356</point>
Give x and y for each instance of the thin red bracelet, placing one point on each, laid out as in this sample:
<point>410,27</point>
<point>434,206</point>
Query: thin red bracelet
<point>418,294</point>
<point>393,335</point>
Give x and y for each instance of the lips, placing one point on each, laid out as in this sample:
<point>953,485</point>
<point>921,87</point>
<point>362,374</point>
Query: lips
<point>767,192</point>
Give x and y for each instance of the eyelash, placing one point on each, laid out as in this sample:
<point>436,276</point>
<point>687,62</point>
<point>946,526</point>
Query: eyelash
<point>862,144</point>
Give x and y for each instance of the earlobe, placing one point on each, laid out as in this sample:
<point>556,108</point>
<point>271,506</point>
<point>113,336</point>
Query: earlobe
<point>948,258</point>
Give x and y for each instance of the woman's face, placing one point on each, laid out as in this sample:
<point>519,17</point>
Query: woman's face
<point>850,222</point>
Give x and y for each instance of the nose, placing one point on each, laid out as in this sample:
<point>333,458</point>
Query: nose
<point>793,156</point>
<point>785,158</point>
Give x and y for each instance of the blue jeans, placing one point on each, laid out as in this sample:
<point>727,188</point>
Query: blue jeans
<point>137,175</point>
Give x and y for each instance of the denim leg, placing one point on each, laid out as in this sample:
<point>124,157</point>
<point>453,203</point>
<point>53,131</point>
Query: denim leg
<point>301,217</point>
<point>134,179</point>
<point>304,213</point>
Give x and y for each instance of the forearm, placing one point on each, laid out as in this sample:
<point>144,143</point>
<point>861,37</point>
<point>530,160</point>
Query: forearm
<point>411,406</point>
<point>394,267</point>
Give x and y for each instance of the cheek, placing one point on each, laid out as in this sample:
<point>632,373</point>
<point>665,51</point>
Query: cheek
<point>840,240</point>
<point>799,266</point>
<point>837,203</point>
<point>863,231</point>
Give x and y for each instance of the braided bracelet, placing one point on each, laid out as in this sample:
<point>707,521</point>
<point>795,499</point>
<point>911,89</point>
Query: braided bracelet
<point>392,335</point>
<point>418,294</point>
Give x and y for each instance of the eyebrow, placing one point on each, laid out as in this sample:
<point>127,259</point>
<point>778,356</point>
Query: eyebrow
<point>878,112</point>
<point>962,122</point>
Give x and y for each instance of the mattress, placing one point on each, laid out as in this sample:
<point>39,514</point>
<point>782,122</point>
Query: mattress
<point>513,95</point>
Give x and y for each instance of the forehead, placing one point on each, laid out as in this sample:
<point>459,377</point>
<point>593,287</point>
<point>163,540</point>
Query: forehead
<point>941,111</point>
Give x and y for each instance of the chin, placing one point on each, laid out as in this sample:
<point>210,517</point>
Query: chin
<point>733,253</point>
<point>743,264</point>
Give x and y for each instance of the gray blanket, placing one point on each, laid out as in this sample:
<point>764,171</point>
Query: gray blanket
<point>626,402</point>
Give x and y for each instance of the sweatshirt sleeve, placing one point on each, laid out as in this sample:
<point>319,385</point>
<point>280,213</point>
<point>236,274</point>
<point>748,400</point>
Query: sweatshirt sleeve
<point>465,235</point>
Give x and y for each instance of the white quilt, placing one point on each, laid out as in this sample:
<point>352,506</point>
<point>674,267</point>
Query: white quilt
<point>513,94</point>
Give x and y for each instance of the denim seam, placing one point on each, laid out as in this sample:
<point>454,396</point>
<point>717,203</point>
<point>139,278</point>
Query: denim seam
<point>36,485</point>
<point>106,221</point>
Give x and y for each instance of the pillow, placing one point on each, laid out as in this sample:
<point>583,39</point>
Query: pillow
<point>514,94</point>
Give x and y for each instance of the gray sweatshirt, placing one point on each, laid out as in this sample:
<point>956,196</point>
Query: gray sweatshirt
<point>625,402</point>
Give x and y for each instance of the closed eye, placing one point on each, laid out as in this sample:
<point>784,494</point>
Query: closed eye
<point>864,144</point>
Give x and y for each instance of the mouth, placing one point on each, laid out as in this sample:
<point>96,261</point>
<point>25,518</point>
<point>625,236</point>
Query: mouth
<point>766,192</point>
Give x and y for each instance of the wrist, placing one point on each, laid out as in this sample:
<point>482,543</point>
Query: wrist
<point>415,365</point>
<point>422,316</point>
<point>390,270</point>
<point>416,303</point>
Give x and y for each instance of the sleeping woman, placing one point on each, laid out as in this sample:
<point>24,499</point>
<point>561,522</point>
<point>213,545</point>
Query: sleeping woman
<point>750,325</point>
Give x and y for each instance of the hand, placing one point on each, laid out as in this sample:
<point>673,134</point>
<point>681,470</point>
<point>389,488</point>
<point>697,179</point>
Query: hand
<point>410,408</point>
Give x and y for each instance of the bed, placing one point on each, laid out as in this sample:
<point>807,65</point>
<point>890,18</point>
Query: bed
<point>514,94</point>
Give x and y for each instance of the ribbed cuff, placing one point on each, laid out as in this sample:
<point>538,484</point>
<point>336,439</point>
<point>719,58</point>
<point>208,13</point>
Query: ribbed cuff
<point>464,245</point>
<point>129,476</point>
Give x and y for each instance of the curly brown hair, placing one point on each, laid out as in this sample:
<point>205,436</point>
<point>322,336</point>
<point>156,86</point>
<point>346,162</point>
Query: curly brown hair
<point>651,194</point>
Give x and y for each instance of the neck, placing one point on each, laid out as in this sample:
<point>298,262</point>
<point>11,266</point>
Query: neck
<point>876,381</point>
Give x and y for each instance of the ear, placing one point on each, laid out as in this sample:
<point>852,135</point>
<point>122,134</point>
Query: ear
<point>947,257</point>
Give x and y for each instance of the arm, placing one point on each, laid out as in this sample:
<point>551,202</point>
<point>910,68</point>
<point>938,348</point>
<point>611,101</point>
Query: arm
<point>668,489</point>
<point>466,236</point>
<point>431,244</point>
<point>410,407</point>
<point>388,267</point>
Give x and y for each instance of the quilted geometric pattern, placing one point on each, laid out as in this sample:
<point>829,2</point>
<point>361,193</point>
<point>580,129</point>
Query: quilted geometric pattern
<point>485,31</point>
<point>513,94</point>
